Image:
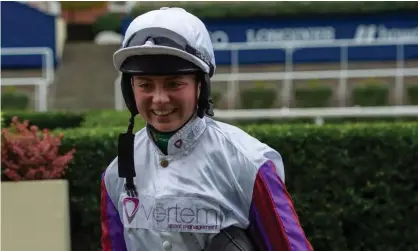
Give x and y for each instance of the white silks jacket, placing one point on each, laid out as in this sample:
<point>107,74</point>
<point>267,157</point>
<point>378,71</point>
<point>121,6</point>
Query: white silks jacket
<point>214,176</point>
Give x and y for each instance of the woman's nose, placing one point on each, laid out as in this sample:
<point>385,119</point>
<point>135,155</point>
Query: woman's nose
<point>160,96</point>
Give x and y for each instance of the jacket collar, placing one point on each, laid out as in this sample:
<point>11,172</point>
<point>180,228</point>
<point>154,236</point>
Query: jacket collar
<point>184,138</point>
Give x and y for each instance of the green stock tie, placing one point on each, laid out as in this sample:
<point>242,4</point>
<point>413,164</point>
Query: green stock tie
<point>161,140</point>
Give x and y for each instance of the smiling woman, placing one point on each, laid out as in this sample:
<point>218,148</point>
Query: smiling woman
<point>205,182</point>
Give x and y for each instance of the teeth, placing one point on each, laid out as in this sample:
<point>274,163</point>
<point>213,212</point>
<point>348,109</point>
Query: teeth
<point>163,112</point>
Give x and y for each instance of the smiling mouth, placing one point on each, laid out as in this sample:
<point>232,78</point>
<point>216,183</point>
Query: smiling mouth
<point>163,113</point>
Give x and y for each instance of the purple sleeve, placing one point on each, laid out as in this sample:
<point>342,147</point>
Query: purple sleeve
<point>274,224</point>
<point>112,228</point>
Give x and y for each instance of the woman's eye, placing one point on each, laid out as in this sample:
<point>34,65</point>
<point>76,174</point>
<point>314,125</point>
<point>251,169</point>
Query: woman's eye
<point>173,85</point>
<point>145,86</point>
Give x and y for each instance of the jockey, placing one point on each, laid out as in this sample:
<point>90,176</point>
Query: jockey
<point>186,182</point>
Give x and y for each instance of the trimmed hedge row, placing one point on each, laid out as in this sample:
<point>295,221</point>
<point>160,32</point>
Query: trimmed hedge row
<point>49,120</point>
<point>215,10</point>
<point>14,100</point>
<point>65,120</point>
<point>318,96</point>
<point>110,118</point>
<point>354,186</point>
<point>113,118</point>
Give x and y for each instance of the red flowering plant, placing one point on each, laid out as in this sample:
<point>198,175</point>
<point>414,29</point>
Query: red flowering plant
<point>30,154</point>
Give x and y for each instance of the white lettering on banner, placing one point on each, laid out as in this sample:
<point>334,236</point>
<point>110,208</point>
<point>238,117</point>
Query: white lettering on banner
<point>368,33</point>
<point>177,214</point>
<point>365,33</point>
<point>290,34</point>
<point>396,33</point>
<point>219,37</point>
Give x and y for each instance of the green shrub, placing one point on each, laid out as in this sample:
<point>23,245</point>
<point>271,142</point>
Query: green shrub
<point>111,118</point>
<point>371,95</point>
<point>354,186</point>
<point>333,121</point>
<point>258,98</point>
<point>313,97</point>
<point>349,181</point>
<point>14,101</point>
<point>108,22</point>
<point>278,9</point>
<point>50,120</point>
<point>96,148</point>
<point>64,120</point>
<point>412,92</point>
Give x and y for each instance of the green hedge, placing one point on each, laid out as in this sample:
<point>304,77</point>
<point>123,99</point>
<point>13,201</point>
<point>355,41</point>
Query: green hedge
<point>113,118</point>
<point>14,100</point>
<point>354,186</point>
<point>110,118</point>
<point>96,148</point>
<point>50,120</point>
<point>412,92</point>
<point>313,97</point>
<point>108,22</point>
<point>215,10</point>
<point>258,98</point>
<point>371,95</point>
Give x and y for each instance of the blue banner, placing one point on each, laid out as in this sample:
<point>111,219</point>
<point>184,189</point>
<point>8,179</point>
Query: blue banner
<point>366,28</point>
<point>25,26</point>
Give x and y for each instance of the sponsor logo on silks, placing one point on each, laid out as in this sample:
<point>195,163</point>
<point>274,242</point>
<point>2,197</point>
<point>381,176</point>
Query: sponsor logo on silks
<point>130,206</point>
<point>177,214</point>
<point>178,143</point>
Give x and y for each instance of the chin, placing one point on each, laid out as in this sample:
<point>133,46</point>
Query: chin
<point>166,127</point>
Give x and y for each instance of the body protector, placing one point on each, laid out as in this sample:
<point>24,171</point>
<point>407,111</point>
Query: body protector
<point>216,191</point>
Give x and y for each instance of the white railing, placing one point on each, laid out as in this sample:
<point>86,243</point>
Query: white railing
<point>119,102</point>
<point>121,6</point>
<point>41,83</point>
<point>289,75</point>
<point>318,114</point>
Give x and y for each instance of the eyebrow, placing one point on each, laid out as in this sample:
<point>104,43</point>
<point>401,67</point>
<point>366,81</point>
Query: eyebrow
<point>166,78</point>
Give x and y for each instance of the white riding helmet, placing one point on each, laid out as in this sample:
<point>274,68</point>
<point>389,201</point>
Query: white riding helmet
<point>168,31</point>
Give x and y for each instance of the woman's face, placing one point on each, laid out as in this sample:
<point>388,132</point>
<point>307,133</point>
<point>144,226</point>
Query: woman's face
<point>166,102</point>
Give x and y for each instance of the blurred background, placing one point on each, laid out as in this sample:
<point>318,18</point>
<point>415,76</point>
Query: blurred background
<point>270,55</point>
<point>300,62</point>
